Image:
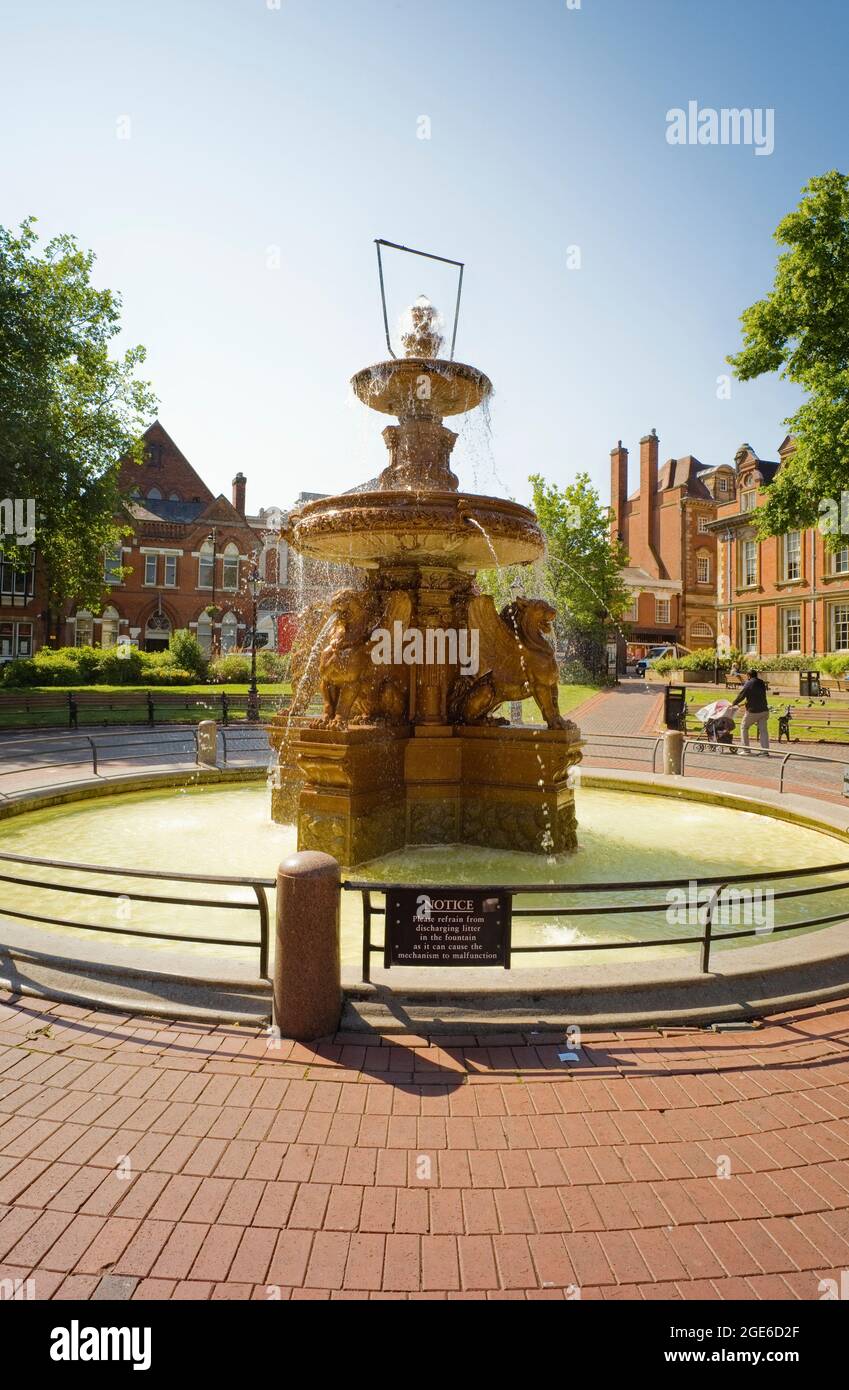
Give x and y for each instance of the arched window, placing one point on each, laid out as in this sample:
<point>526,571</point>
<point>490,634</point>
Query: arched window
<point>109,628</point>
<point>154,495</point>
<point>229,632</point>
<point>701,630</point>
<point>230,568</point>
<point>204,630</point>
<point>206,565</point>
<point>174,497</point>
<point>84,629</point>
<point>157,632</point>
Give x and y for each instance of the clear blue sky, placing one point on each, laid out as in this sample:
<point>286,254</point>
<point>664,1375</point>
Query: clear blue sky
<point>297,128</point>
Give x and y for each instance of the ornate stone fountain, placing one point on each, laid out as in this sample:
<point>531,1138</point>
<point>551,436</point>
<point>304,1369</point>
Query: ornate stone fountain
<point>409,750</point>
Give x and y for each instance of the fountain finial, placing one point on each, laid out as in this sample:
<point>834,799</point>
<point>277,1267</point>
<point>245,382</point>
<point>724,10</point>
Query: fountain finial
<point>424,339</point>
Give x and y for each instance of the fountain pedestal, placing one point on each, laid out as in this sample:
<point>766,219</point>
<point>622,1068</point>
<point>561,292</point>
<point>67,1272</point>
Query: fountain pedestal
<point>368,791</point>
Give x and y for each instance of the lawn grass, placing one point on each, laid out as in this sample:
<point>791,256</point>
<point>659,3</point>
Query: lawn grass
<point>570,697</point>
<point>57,718</point>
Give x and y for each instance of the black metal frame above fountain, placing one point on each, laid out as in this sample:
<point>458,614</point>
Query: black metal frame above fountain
<point>428,255</point>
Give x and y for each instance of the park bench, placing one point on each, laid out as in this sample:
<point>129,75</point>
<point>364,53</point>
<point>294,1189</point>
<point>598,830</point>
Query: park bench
<point>815,719</point>
<point>79,707</point>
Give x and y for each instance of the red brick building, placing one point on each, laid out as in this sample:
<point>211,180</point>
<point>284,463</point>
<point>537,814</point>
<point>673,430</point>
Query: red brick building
<point>785,595</point>
<point>664,527</point>
<point>184,566</point>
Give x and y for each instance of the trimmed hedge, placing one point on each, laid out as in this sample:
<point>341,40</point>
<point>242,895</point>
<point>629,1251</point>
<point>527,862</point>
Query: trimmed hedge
<point>830,663</point>
<point>235,667</point>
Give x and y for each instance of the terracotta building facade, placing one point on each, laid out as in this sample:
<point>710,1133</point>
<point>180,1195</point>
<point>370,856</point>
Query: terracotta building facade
<point>185,565</point>
<point>665,527</point>
<point>785,595</point>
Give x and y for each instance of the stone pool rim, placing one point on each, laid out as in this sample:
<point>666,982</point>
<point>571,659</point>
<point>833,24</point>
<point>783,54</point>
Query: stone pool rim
<point>753,981</point>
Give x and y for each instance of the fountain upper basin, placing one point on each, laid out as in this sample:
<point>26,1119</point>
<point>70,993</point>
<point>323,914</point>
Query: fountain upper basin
<point>368,529</point>
<point>396,387</point>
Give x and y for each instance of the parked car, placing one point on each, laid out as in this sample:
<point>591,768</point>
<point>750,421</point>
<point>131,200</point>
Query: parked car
<point>653,654</point>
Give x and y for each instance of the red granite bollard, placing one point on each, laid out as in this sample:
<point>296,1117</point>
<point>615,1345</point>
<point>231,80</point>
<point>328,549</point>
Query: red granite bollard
<point>307,985</point>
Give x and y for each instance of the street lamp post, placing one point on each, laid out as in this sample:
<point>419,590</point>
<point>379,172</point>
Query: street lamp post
<point>252,712</point>
<point>212,537</point>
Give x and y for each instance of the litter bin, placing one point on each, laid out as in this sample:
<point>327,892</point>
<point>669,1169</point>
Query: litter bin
<point>809,683</point>
<point>675,707</point>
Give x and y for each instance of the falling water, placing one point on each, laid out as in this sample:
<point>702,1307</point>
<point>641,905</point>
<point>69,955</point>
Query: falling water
<point>547,842</point>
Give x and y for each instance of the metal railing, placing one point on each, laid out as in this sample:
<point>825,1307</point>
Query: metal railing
<point>641,750</point>
<point>257,885</point>
<point>700,747</point>
<point>711,909</point>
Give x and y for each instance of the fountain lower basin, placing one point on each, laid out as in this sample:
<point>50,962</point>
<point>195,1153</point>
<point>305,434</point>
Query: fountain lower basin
<point>624,837</point>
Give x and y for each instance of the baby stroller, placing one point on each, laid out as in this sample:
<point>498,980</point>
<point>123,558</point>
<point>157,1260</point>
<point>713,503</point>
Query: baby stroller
<point>717,719</point>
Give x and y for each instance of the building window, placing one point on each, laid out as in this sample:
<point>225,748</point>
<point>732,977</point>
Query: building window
<point>109,628</point>
<point>230,568</point>
<point>229,632</point>
<point>174,497</point>
<point>157,632</point>
<point>749,633</point>
<point>633,614</point>
<point>206,566</point>
<point>150,569</point>
<point>18,582</point>
<point>153,455</point>
<point>791,629</point>
<point>84,629</point>
<point>112,565</point>
<point>747,500</point>
<point>749,563</point>
<point>15,640</point>
<point>702,569</point>
<point>840,627</point>
<point>840,560</point>
<point>170,571</point>
<point>704,521</point>
<point>723,483</point>
<point>701,630</point>
<point>661,610</point>
<point>154,495</point>
<point>205,634</point>
<point>793,555</point>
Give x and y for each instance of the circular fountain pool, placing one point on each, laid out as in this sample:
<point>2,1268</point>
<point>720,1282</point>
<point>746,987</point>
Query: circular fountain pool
<point>624,837</point>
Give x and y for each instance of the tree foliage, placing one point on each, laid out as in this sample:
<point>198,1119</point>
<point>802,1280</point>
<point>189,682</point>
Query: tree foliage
<point>582,563</point>
<point>69,410</point>
<point>801,330</point>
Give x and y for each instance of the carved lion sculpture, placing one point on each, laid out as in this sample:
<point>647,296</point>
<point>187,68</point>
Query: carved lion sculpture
<point>353,686</point>
<point>516,660</point>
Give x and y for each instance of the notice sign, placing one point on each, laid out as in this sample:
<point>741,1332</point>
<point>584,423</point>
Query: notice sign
<point>446,926</point>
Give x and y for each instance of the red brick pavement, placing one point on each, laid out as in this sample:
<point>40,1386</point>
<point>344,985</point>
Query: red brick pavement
<point>140,1159</point>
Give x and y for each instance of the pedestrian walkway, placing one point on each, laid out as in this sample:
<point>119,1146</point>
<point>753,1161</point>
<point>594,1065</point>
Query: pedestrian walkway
<point>140,1160</point>
<point>629,708</point>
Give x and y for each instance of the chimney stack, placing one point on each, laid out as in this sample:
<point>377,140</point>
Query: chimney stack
<point>649,445</point>
<point>618,492</point>
<point>240,482</point>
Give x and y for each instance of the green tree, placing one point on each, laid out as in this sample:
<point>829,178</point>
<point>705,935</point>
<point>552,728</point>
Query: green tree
<point>801,330</point>
<point>69,411</point>
<point>582,563</point>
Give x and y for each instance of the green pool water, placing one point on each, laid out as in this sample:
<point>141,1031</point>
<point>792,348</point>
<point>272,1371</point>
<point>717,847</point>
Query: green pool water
<point>624,836</point>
